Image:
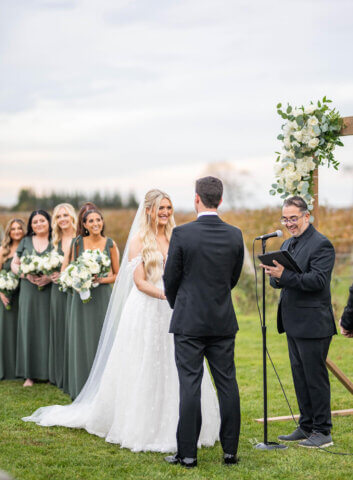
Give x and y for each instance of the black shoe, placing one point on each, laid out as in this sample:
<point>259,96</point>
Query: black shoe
<point>298,434</point>
<point>230,459</point>
<point>185,462</point>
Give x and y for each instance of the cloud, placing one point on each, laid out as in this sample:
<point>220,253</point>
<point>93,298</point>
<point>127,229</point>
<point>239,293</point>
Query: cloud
<point>125,89</point>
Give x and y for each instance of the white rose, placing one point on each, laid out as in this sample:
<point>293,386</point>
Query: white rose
<point>314,142</point>
<point>2,283</point>
<point>86,285</point>
<point>297,111</point>
<point>312,121</point>
<point>278,169</point>
<point>287,142</point>
<point>298,135</point>
<point>309,109</point>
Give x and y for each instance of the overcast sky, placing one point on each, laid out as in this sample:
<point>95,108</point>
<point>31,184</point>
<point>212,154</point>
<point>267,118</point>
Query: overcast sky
<point>136,94</point>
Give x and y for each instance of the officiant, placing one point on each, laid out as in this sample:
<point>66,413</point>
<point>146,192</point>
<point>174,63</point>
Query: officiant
<point>305,315</point>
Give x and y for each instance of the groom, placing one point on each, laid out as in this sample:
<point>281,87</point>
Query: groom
<point>205,259</point>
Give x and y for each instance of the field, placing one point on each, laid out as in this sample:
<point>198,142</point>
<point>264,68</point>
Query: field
<point>30,452</point>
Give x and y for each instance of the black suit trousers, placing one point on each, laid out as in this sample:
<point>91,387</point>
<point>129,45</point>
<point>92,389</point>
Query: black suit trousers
<point>311,381</point>
<point>189,355</point>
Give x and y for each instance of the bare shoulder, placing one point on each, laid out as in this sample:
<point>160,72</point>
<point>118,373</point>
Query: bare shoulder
<point>135,247</point>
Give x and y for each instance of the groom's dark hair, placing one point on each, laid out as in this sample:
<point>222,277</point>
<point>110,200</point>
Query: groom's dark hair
<point>210,190</point>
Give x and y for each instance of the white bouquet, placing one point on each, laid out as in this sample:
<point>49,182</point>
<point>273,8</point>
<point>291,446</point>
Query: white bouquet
<point>51,262</point>
<point>31,264</point>
<point>79,275</point>
<point>309,136</point>
<point>8,284</point>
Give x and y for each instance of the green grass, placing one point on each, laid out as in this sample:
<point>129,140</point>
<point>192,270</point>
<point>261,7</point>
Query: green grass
<point>30,452</point>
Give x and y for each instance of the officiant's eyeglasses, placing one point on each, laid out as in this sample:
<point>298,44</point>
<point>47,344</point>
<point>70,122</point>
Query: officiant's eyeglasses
<point>294,219</point>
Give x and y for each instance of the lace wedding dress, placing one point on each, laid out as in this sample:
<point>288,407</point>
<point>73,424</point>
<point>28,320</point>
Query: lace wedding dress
<point>136,402</point>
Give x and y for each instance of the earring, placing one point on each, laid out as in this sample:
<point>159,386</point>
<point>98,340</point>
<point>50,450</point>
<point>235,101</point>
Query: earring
<point>85,231</point>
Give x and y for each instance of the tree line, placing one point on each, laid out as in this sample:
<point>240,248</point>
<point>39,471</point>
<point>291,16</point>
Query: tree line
<point>28,199</point>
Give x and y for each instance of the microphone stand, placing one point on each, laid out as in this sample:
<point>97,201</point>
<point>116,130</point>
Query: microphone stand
<point>265,445</point>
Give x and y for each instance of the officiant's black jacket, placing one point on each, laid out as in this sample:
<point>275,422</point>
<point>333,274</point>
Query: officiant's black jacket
<point>347,317</point>
<point>205,259</point>
<point>305,309</point>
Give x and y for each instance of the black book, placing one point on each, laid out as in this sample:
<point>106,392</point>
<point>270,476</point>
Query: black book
<point>281,256</point>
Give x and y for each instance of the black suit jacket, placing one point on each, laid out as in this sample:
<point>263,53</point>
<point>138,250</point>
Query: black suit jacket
<point>347,317</point>
<point>305,309</point>
<point>204,262</point>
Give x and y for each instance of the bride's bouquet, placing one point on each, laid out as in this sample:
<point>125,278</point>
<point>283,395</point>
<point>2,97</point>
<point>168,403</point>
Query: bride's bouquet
<point>51,262</point>
<point>8,284</point>
<point>80,274</point>
<point>31,264</point>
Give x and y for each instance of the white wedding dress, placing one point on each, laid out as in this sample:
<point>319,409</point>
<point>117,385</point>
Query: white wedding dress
<point>136,403</point>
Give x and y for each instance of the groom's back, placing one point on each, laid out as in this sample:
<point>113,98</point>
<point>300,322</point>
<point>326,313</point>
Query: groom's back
<point>207,256</point>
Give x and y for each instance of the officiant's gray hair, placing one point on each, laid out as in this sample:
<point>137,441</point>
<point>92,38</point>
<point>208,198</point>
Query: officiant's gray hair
<point>210,190</point>
<point>296,201</point>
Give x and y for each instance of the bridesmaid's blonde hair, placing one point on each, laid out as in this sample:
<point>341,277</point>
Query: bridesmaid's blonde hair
<point>148,232</point>
<point>57,232</point>
<point>7,240</point>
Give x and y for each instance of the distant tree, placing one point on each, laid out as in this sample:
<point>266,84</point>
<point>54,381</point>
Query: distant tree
<point>131,201</point>
<point>26,200</point>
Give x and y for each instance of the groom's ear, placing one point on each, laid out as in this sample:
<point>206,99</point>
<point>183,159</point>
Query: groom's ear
<point>220,202</point>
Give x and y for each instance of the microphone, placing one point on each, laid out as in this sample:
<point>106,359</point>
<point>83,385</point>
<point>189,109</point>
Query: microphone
<point>277,233</point>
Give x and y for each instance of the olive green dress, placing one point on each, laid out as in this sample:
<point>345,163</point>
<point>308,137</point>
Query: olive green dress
<point>8,334</point>
<point>58,301</point>
<point>84,326</point>
<point>33,324</point>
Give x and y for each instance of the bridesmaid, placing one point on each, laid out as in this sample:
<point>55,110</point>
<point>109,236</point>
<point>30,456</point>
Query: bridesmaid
<point>64,228</point>
<point>14,232</point>
<point>34,304</point>
<point>79,233</point>
<point>86,319</point>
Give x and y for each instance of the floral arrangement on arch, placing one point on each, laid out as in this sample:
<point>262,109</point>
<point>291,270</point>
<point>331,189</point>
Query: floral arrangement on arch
<point>309,136</point>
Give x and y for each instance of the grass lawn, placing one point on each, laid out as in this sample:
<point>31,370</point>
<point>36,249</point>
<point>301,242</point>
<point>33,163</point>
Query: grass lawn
<point>30,452</point>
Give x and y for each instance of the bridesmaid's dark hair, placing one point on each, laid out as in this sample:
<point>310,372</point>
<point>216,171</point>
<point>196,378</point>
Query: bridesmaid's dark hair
<point>45,214</point>
<point>84,219</point>
<point>85,207</point>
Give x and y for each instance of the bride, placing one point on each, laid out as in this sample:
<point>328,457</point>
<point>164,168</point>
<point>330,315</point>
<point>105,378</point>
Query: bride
<point>132,394</point>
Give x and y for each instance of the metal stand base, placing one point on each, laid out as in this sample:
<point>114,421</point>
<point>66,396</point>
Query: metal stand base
<point>270,446</point>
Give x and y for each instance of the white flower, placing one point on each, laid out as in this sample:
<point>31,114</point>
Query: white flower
<point>298,135</point>
<point>278,169</point>
<point>313,143</point>
<point>287,142</point>
<point>309,109</point>
<point>312,121</point>
<point>297,111</point>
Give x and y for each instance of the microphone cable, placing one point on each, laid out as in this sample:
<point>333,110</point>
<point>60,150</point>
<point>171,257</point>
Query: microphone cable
<point>324,449</point>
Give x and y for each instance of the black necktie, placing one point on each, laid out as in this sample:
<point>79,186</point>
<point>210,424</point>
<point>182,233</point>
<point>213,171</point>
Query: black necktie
<point>293,244</point>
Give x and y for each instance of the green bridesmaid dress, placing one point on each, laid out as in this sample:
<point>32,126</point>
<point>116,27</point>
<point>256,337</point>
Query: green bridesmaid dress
<point>84,326</point>
<point>8,334</point>
<point>58,303</point>
<point>33,323</point>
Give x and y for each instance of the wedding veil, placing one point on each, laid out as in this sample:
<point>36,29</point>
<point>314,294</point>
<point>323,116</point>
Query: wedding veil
<point>74,414</point>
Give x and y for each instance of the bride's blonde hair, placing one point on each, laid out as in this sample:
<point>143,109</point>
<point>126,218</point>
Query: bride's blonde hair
<point>57,232</point>
<point>148,232</point>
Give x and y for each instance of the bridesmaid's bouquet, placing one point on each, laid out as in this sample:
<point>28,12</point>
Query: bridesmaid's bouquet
<point>51,262</point>
<point>8,284</point>
<point>31,264</point>
<point>80,274</point>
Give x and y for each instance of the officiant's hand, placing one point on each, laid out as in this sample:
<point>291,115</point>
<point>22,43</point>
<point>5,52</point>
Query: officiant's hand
<point>275,271</point>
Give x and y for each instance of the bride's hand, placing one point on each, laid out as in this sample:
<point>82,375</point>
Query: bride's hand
<point>162,296</point>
